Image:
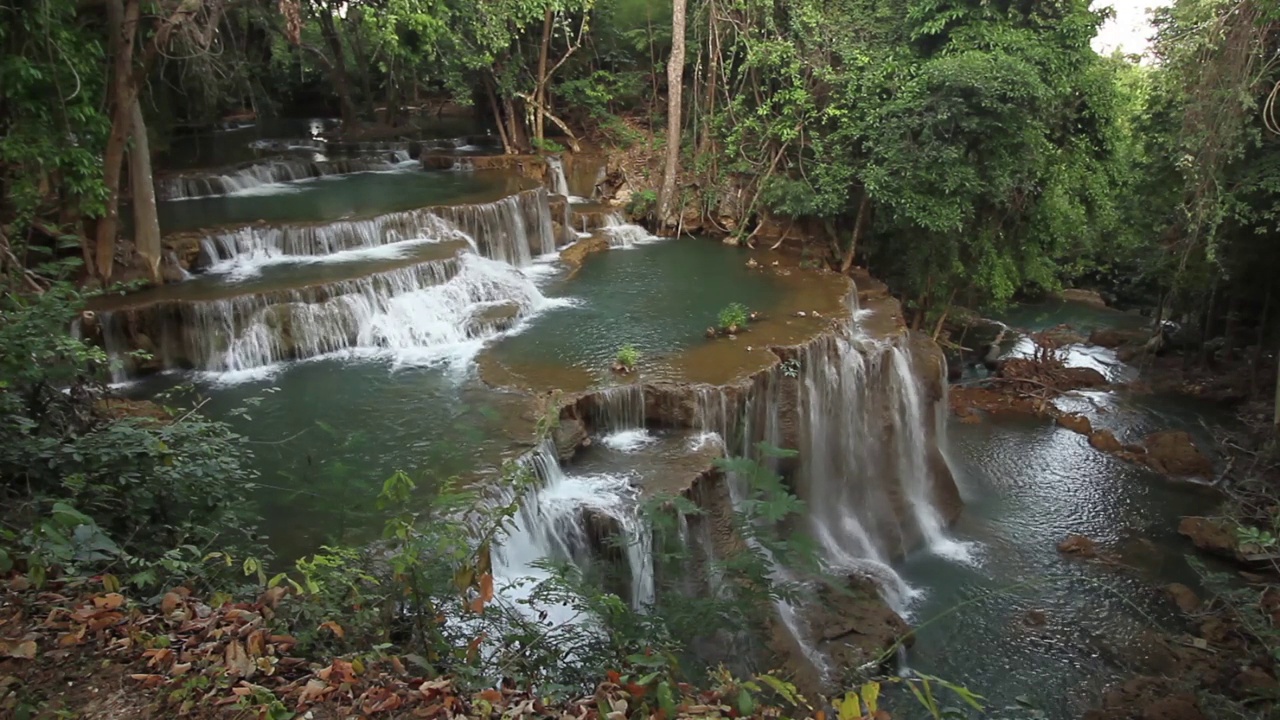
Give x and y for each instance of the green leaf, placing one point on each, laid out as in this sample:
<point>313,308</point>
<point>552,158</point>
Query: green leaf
<point>666,699</point>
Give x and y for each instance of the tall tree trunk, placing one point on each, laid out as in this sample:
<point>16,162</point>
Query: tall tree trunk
<point>122,26</point>
<point>338,68</point>
<point>540,93</point>
<point>859,226</point>
<point>146,223</point>
<point>497,117</point>
<point>675,83</point>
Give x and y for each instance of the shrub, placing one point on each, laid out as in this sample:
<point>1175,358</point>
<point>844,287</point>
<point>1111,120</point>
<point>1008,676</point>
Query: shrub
<point>628,356</point>
<point>733,317</point>
<point>642,203</point>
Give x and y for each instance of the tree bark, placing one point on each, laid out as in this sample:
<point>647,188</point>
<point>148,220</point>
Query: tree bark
<point>122,24</point>
<point>338,68</point>
<point>146,223</point>
<point>675,83</point>
<point>540,93</point>
<point>497,117</point>
<point>859,226</point>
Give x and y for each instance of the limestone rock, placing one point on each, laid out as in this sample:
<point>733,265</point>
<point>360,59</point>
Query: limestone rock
<point>493,318</point>
<point>577,253</point>
<point>1106,441</point>
<point>1088,297</point>
<point>1175,707</point>
<point>1078,545</point>
<point>1115,337</point>
<point>1173,453</point>
<point>854,625</point>
<point>1076,423</point>
<point>1184,597</point>
<point>568,436</point>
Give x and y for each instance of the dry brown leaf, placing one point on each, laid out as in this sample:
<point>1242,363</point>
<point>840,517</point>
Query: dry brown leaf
<point>237,660</point>
<point>109,601</point>
<point>21,649</point>
<point>256,644</point>
<point>170,602</point>
<point>333,627</point>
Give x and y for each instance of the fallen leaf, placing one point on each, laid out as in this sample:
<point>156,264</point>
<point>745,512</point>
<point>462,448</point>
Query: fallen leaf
<point>333,627</point>
<point>109,601</point>
<point>21,649</point>
<point>170,602</point>
<point>237,660</point>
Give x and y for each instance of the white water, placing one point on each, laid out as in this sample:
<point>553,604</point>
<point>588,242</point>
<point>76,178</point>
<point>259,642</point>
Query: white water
<point>270,175</point>
<point>559,184</point>
<point>625,235</point>
<point>512,230</point>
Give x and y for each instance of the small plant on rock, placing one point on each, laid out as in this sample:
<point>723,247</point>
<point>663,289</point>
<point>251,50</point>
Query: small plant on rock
<point>733,318</point>
<point>626,359</point>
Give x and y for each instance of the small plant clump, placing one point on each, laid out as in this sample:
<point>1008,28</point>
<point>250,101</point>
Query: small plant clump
<point>626,359</point>
<point>733,318</point>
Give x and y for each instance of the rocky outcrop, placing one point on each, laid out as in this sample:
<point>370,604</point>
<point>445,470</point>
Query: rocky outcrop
<point>577,253</point>
<point>1216,536</point>
<point>1088,297</point>
<point>1076,423</point>
<point>1079,546</point>
<point>1106,441</point>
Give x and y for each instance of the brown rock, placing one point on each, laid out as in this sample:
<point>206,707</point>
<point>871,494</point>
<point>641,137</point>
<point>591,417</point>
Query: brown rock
<point>1213,535</point>
<point>1105,441</point>
<point>1076,423</point>
<point>1088,297</point>
<point>1114,337</point>
<point>1035,618</point>
<point>577,253</point>
<point>568,436</point>
<point>1184,597</point>
<point>1174,707</point>
<point>1078,545</point>
<point>1174,453</point>
<point>1254,681</point>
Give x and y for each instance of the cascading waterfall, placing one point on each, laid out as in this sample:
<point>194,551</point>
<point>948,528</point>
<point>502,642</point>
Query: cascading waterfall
<point>189,186</point>
<point>619,413</point>
<point>512,230</point>
<point>570,519</point>
<point>559,183</point>
<point>425,307</point>
<point>623,234</point>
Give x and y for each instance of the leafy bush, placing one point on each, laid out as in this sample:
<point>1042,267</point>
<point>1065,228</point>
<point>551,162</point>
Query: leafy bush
<point>733,317</point>
<point>92,488</point>
<point>642,203</point>
<point>628,356</point>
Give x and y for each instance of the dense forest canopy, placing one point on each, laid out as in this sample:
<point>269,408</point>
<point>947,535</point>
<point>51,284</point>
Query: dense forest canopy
<point>966,151</point>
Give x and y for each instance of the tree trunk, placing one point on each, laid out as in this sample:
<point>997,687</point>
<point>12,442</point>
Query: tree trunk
<point>122,24</point>
<point>675,82</point>
<point>497,117</point>
<point>540,93</point>
<point>338,68</point>
<point>146,223</point>
<point>859,226</point>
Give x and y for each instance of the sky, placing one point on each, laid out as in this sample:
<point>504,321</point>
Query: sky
<point>1129,29</point>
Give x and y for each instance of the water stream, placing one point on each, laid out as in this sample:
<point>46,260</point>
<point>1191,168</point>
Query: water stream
<point>386,317</point>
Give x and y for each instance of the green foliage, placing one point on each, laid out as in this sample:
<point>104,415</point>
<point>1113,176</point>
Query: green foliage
<point>628,356</point>
<point>92,490</point>
<point>642,203</point>
<point>732,317</point>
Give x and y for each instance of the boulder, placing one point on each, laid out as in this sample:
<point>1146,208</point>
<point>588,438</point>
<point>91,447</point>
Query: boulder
<point>1184,597</point>
<point>853,624</point>
<point>1076,423</point>
<point>1106,441</point>
<point>1088,297</point>
<point>493,318</point>
<point>568,436</point>
<point>1173,453</point>
<point>577,253</point>
<point>1115,337</point>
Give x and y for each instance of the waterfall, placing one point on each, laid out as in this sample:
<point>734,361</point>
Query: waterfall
<point>511,230</point>
<point>191,185</point>
<point>577,519</point>
<point>559,184</point>
<point>622,234</point>
<point>421,310</point>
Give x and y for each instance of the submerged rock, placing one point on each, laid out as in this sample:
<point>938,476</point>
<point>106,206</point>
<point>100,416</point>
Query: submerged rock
<point>1076,423</point>
<point>853,625</point>
<point>1213,535</point>
<point>1078,545</point>
<point>1184,597</point>
<point>1106,441</point>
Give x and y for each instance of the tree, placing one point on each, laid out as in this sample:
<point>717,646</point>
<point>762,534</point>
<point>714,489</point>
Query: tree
<point>675,83</point>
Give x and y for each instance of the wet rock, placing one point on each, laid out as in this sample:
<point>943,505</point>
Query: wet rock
<point>1061,336</point>
<point>1106,441</point>
<point>568,436</point>
<point>1184,597</point>
<point>1035,618</point>
<point>577,253</point>
<point>1076,423</point>
<point>1175,707</point>
<point>494,318</point>
<point>1174,453</point>
<point>1088,297</point>
<point>1114,337</point>
<point>1079,546</point>
<point>853,624</point>
<point>1212,535</point>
